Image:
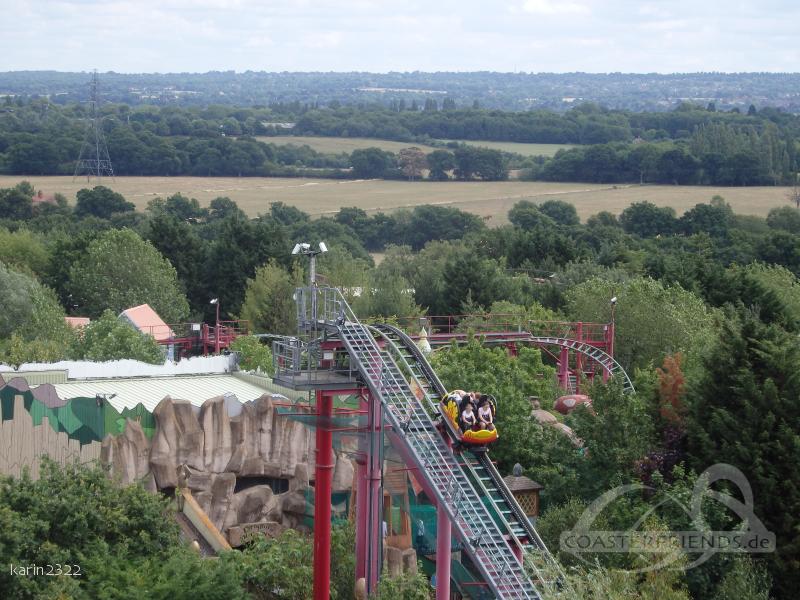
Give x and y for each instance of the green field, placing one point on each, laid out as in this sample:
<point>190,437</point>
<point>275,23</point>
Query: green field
<point>334,145</point>
<point>491,200</point>
<point>521,148</point>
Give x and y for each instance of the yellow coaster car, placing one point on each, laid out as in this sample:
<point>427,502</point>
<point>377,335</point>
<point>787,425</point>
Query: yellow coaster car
<point>481,437</point>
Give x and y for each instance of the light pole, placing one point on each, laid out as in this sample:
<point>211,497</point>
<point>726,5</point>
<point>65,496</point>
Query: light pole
<point>306,250</point>
<point>215,302</point>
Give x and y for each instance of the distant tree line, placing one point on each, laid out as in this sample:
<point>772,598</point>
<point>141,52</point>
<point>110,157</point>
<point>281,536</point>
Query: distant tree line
<point>715,154</point>
<point>506,91</point>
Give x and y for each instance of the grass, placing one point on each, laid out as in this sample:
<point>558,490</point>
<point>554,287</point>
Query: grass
<point>334,145</point>
<point>491,200</point>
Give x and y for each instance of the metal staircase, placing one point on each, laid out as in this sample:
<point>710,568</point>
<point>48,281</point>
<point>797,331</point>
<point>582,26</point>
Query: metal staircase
<point>389,376</point>
<point>482,471</point>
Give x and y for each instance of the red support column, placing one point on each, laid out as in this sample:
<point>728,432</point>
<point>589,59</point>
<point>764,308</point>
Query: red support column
<point>563,368</point>
<point>362,520</point>
<point>579,360</point>
<point>443,547</point>
<point>444,534</point>
<point>322,498</point>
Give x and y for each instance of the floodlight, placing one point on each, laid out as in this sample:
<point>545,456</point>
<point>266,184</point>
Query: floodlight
<point>323,247</point>
<point>296,249</point>
<point>614,300</point>
<point>214,300</point>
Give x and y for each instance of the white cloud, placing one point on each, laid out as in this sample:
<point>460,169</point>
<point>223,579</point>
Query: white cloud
<point>554,7</point>
<point>381,35</point>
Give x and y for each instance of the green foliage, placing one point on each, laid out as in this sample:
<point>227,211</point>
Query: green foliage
<point>645,219</point>
<point>254,355</point>
<point>743,412</point>
<point>404,587</point>
<point>510,379</point>
<point>24,251</point>
<point>387,294</point>
<point>605,584</point>
<point>101,202</point>
<point>77,515</point>
<point>32,325</point>
<point>617,432</point>
<point>268,305</point>
<point>786,218</point>
<point>120,270</point>
<point>651,319</point>
<point>746,580</point>
<point>275,569</point>
<point>109,338</point>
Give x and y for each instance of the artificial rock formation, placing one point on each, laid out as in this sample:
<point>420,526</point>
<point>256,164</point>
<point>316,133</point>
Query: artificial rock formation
<point>217,445</point>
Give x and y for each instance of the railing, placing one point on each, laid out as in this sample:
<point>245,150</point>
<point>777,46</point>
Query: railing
<point>589,332</point>
<point>293,360</point>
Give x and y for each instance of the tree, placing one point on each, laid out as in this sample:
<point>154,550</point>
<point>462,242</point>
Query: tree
<point>526,214</point>
<point>177,241</point>
<point>651,319</point>
<point>77,515</point>
<point>223,207</point>
<point>23,250</point>
<point>178,206</point>
<point>786,218</point>
<point>483,163</point>
<point>253,354</point>
<point>412,162</point>
<point>121,270</point>
<point>287,215</point>
<point>30,310</point>
<point>645,219</point>
<point>371,163</point>
<point>743,412</point>
<point>268,305</point>
<point>109,338</point>
<point>714,218</point>
<point>439,163</point>
<point>101,202</point>
<point>17,203</point>
<point>561,212</point>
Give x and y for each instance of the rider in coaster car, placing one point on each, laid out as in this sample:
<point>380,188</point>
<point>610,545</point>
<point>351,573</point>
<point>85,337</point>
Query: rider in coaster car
<point>485,413</point>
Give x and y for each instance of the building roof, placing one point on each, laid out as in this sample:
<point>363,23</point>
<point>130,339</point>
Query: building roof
<point>522,484</point>
<point>146,320</point>
<point>149,391</point>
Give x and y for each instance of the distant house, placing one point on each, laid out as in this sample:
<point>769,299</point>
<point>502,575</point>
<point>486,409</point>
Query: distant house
<point>42,198</point>
<point>146,320</point>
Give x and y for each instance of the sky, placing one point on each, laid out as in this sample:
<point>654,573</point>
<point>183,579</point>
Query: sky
<point>135,36</point>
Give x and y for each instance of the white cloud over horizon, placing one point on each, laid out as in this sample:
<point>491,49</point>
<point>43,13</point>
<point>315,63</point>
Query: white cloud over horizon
<point>382,35</point>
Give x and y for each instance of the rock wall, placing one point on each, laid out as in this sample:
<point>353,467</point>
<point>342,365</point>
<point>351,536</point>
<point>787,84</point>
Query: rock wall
<point>220,444</point>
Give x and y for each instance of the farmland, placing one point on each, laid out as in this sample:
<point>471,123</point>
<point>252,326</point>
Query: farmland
<point>491,200</point>
<point>335,145</point>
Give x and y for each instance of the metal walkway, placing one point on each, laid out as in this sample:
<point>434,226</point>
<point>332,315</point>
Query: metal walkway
<point>389,376</point>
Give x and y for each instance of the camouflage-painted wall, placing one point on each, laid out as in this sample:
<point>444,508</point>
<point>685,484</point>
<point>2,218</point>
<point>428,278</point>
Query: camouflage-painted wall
<point>85,420</point>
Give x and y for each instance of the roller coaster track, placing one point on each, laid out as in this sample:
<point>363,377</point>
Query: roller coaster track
<point>485,475</point>
<point>605,360</point>
<point>454,481</point>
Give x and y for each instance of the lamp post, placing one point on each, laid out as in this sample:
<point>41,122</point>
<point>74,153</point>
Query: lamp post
<point>306,250</point>
<point>215,302</point>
